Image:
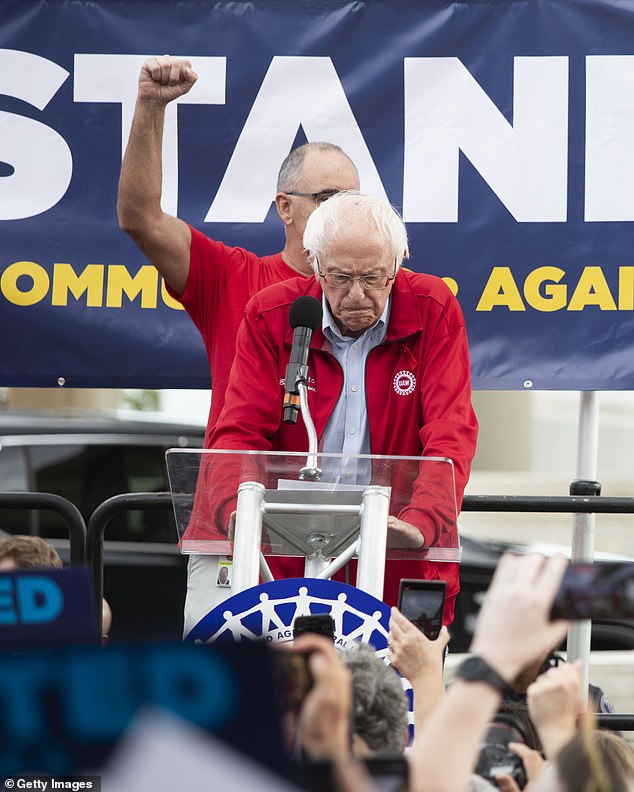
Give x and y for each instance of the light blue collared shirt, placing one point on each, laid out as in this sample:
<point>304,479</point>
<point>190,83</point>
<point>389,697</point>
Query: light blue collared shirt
<point>347,431</point>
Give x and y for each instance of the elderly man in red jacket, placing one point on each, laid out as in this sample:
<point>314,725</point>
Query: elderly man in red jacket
<point>381,324</point>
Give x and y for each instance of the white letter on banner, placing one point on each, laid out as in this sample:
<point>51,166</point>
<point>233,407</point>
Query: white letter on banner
<point>114,78</point>
<point>296,92</point>
<point>41,160</point>
<point>609,136</point>
<point>526,164</point>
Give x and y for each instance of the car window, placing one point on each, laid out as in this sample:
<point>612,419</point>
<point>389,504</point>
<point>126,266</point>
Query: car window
<point>87,475</point>
<point>14,473</point>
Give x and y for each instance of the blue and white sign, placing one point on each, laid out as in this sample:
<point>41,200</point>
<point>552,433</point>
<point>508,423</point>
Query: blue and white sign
<point>503,131</point>
<point>267,612</point>
<point>46,608</point>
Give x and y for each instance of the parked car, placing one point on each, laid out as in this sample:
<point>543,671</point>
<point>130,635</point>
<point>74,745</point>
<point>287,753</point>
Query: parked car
<point>479,559</point>
<point>87,458</point>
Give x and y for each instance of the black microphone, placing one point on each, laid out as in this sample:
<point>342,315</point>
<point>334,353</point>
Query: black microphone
<point>304,316</point>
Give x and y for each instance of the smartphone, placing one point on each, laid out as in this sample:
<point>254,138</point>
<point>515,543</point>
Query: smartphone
<point>423,603</point>
<point>602,590</point>
<point>320,623</point>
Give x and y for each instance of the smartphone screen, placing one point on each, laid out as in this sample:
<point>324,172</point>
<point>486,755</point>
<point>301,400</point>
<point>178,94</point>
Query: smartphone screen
<point>320,623</point>
<point>603,590</point>
<point>423,603</point>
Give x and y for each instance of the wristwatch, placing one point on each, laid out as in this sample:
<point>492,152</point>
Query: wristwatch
<point>476,669</point>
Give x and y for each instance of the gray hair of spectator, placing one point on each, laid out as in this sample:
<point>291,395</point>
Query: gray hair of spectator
<point>379,702</point>
<point>29,552</point>
<point>333,217</point>
<point>290,170</point>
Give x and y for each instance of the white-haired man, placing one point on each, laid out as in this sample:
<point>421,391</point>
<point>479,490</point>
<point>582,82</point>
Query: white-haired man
<point>379,321</point>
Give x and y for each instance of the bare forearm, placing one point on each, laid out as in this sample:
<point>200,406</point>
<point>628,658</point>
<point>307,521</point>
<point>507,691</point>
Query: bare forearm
<point>164,239</point>
<point>455,732</point>
<point>428,693</point>
<point>139,201</point>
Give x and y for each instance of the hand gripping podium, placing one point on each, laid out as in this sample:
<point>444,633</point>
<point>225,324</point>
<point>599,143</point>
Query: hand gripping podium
<point>248,504</point>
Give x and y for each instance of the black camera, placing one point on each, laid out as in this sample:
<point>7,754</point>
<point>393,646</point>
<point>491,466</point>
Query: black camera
<point>496,757</point>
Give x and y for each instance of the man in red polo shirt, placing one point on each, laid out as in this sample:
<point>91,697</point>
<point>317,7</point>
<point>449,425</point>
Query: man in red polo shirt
<point>212,281</point>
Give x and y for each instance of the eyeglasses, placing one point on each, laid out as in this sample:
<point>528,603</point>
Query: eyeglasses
<point>318,197</point>
<point>337,280</point>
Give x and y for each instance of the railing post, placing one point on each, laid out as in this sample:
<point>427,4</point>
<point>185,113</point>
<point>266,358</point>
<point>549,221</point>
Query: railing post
<point>582,550</point>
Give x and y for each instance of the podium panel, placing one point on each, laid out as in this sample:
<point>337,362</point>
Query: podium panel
<point>273,500</point>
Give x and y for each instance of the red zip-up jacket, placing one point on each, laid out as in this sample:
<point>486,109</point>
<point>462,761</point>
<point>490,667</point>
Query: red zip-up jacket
<point>418,395</point>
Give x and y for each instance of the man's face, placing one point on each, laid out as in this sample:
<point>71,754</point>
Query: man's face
<point>7,564</point>
<point>358,250</point>
<point>321,170</point>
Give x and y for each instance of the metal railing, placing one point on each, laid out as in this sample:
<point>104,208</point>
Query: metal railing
<point>98,522</point>
<point>86,542</point>
<point>77,531</point>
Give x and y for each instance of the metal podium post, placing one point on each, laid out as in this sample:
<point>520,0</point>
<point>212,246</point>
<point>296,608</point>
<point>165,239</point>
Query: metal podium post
<point>372,510</point>
<point>248,536</point>
<point>373,540</point>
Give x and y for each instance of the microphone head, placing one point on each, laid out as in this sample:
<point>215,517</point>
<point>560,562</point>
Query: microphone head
<point>305,311</point>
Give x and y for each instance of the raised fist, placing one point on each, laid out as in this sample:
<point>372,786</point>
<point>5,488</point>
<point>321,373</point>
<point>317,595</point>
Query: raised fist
<point>164,78</point>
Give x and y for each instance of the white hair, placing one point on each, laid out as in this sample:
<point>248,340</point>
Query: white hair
<point>333,216</point>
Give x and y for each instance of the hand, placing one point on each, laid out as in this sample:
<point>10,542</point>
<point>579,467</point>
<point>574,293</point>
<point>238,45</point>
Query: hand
<point>412,653</point>
<point>555,702</point>
<point>231,527</point>
<point>513,626</point>
<point>164,79</point>
<point>324,719</point>
<point>404,535</point>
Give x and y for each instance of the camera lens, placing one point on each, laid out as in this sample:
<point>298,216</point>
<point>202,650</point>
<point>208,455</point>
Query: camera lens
<point>495,756</point>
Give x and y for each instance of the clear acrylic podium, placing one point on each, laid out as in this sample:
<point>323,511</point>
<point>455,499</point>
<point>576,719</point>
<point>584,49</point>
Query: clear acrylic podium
<point>248,504</point>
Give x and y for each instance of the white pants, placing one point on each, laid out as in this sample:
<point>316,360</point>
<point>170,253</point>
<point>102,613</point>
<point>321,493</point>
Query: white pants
<point>203,593</point>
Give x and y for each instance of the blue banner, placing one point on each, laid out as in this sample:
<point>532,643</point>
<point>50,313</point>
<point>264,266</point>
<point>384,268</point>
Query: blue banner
<point>63,712</point>
<point>502,130</point>
<point>46,609</point>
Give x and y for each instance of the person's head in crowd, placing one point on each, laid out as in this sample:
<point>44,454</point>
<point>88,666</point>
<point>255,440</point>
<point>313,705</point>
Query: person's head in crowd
<point>379,703</point>
<point>356,244</point>
<point>552,659</point>
<point>586,763</point>
<point>308,177</point>
<point>617,751</point>
<point>27,552</point>
<point>530,673</point>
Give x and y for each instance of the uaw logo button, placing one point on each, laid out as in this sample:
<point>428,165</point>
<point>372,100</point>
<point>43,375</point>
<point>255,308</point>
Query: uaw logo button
<point>404,383</point>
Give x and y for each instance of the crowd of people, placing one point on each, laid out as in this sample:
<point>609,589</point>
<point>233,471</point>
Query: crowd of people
<point>567,753</point>
<point>508,720</point>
